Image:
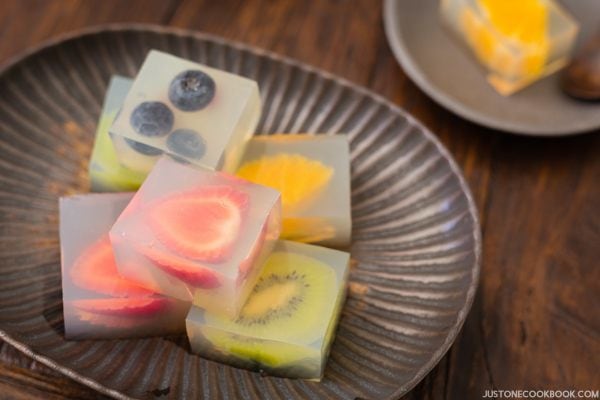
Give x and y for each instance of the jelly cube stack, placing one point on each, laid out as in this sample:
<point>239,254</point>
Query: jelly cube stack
<point>203,231</point>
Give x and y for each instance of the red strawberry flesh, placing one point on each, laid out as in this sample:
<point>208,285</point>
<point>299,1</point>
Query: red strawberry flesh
<point>134,307</point>
<point>186,271</point>
<point>96,270</point>
<point>201,224</point>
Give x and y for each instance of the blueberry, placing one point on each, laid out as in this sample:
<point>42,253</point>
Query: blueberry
<point>186,143</point>
<point>143,148</point>
<point>152,118</point>
<point>191,90</point>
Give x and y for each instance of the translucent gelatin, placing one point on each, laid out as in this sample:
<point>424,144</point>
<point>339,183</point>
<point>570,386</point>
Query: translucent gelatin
<point>312,172</point>
<point>199,114</point>
<point>288,323</point>
<point>97,301</point>
<point>517,41</point>
<point>197,234</point>
<point>106,172</point>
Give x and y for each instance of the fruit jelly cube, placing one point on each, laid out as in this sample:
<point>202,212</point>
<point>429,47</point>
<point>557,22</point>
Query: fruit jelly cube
<point>97,301</point>
<point>312,172</point>
<point>200,114</point>
<point>105,171</point>
<point>288,323</point>
<point>517,42</point>
<point>197,234</point>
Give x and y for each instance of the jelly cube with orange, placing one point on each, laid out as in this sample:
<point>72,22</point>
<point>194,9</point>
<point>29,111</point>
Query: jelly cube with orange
<point>517,41</point>
<point>312,173</point>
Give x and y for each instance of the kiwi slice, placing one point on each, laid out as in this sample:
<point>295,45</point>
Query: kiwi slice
<point>284,319</point>
<point>275,358</point>
<point>291,301</point>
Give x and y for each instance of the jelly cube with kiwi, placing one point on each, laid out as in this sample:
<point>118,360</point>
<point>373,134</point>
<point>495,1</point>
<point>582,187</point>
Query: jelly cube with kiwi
<point>312,172</point>
<point>287,325</point>
<point>197,234</point>
<point>106,173</point>
<point>98,302</point>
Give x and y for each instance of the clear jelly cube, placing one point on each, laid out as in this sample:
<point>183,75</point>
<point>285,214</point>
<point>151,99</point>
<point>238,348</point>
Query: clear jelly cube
<point>517,42</point>
<point>106,173</point>
<point>288,323</point>
<point>197,234</point>
<point>312,172</point>
<point>196,113</point>
<point>97,301</point>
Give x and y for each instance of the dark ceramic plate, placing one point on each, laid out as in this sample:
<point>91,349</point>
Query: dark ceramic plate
<point>416,234</point>
<point>443,69</point>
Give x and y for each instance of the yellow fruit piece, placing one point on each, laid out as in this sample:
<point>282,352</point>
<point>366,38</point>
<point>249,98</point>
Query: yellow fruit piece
<point>274,297</point>
<point>298,178</point>
<point>517,46</point>
<point>306,229</point>
<point>480,38</point>
<point>522,20</point>
<point>105,170</point>
<point>525,22</point>
<point>291,302</point>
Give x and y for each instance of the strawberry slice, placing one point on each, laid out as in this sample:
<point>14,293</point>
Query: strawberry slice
<point>202,224</point>
<point>186,271</point>
<point>95,269</point>
<point>134,307</point>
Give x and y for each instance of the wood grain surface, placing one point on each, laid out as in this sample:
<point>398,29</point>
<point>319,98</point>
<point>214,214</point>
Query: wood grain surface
<point>535,323</point>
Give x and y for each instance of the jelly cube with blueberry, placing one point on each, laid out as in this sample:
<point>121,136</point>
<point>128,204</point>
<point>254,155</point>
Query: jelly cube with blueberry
<point>106,173</point>
<point>97,301</point>
<point>312,172</point>
<point>198,114</point>
<point>288,322</point>
<point>198,235</point>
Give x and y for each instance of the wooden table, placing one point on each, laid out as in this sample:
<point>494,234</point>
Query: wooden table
<point>535,323</point>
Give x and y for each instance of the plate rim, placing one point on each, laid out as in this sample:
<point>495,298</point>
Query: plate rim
<point>409,66</point>
<point>453,331</point>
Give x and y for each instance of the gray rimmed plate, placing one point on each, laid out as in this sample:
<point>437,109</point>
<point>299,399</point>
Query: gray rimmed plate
<point>433,58</point>
<point>416,234</point>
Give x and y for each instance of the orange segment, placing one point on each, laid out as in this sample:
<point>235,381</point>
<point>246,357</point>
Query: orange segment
<point>522,20</point>
<point>518,43</point>
<point>299,179</point>
<point>480,38</point>
<point>525,22</point>
<point>307,229</point>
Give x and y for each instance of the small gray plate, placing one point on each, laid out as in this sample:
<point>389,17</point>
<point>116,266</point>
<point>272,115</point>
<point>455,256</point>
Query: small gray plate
<point>433,58</point>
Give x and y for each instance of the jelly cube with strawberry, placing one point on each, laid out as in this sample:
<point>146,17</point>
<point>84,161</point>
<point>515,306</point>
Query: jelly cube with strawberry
<point>97,301</point>
<point>198,235</point>
<point>189,110</point>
